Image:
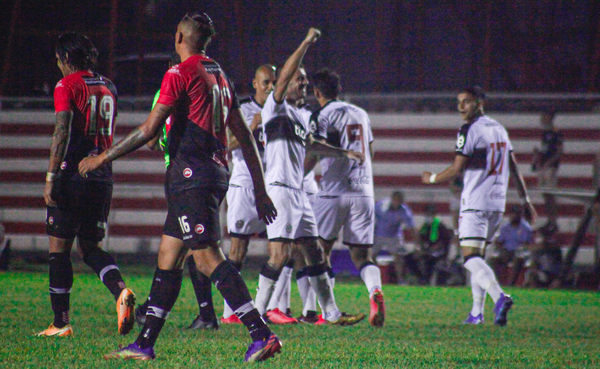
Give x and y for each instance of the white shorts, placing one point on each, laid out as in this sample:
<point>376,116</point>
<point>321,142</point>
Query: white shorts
<point>476,228</point>
<point>355,214</point>
<point>295,217</point>
<point>242,218</point>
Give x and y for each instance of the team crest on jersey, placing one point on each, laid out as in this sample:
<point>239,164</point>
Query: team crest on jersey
<point>239,224</point>
<point>51,220</point>
<point>199,228</point>
<point>187,172</point>
<point>460,142</point>
<point>312,126</point>
<point>288,228</point>
<point>63,165</point>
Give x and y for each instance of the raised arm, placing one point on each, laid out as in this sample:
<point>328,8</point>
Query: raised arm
<point>530,212</point>
<point>460,161</point>
<point>264,206</point>
<point>58,149</point>
<point>134,140</point>
<point>292,64</point>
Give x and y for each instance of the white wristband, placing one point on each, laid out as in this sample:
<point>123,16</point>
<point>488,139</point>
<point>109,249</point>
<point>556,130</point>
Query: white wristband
<point>50,177</point>
<point>432,178</point>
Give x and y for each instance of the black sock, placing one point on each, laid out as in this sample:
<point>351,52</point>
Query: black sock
<point>234,291</point>
<point>202,287</point>
<point>61,281</point>
<point>106,268</point>
<point>163,294</point>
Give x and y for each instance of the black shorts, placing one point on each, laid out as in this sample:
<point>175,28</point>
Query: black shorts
<point>82,210</point>
<point>193,216</point>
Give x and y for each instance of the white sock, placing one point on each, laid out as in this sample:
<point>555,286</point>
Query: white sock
<point>279,289</point>
<point>371,275</point>
<point>263,293</point>
<point>478,297</point>
<point>484,276</point>
<point>307,294</point>
<point>227,312</point>
<point>284,300</point>
<point>322,286</point>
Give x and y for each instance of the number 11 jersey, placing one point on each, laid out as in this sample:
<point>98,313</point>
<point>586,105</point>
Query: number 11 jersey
<point>485,142</point>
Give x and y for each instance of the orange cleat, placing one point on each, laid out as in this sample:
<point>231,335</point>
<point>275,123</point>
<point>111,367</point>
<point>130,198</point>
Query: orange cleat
<point>66,331</point>
<point>125,311</point>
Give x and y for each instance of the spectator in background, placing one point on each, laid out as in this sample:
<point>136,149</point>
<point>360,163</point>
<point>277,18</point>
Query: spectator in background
<point>4,249</point>
<point>510,244</point>
<point>547,160</point>
<point>546,259</point>
<point>392,216</point>
<point>434,242</point>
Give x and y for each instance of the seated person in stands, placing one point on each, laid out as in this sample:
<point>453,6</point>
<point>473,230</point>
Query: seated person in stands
<point>511,246</point>
<point>546,259</point>
<point>434,243</point>
<point>392,219</point>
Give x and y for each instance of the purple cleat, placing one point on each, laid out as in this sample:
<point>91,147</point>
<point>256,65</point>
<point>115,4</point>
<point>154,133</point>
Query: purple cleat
<point>501,309</point>
<point>262,350</point>
<point>132,352</point>
<point>474,319</point>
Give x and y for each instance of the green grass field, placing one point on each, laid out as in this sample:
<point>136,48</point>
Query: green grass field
<point>546,329</point>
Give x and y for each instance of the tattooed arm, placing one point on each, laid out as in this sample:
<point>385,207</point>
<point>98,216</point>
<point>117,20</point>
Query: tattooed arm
<point>136,139</point>
<point>60,140</point>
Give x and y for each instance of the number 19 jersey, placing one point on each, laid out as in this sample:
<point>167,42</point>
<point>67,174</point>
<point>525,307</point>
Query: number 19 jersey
<point>93,100</point>
<point>485,142</point>
<point>345,126</point>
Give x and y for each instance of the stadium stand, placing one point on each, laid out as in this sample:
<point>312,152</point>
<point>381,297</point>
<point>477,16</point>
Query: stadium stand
<point>405,145</point>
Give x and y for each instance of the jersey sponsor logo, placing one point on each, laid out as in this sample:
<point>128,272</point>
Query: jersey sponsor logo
<point>187,172</point>
<point>460,142</point>
<point>174,70</point>
<point>51,220</point>
<point>239,224</point>
<point>288,228</point>
<point>63,165</point>
<point>199,228</point>
<point>497,196</point>
<point>359,180</point>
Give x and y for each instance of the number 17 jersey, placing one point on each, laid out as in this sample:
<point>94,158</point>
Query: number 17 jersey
<point>485,142</point>
<point>348,127</point>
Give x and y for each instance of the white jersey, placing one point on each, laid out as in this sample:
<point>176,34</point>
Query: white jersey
<point>240,175</point>
<point>285,129</point>
<point>310,184</point>
<point>348,127</point>
<point>485,142</point>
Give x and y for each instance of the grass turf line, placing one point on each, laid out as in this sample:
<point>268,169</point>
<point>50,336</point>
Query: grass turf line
<point>546,329</point>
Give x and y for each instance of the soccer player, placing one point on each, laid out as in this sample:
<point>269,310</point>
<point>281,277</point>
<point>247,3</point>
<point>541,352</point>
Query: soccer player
<point>206,318</point>
<point>242,219</point>
<point>345,198</point>
<point>85,104</point>
<point>202,104</point>
<point>287,137</point>
<point>484,151</point>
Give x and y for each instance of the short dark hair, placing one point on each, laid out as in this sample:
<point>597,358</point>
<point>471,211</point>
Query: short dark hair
<point>77,50</point>
<point>204,25</point>
<point>327,82</point>
<point>476,91</point>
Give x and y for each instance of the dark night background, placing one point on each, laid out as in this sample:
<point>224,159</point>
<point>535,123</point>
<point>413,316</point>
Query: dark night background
<point>377,46</point>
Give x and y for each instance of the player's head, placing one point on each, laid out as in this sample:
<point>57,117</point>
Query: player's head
<point>397,199</point>
<point>298,85</point>
<point>470,103</point>
<point>547,119</point>
<point>263,82</point>
<point>326,83</point>
<point>516,213</point>
<point>194,32</point>
<point>75,52</point>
